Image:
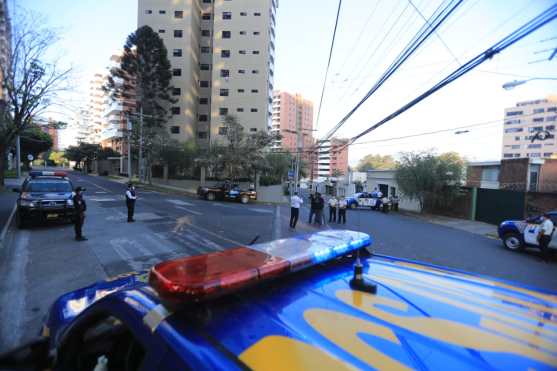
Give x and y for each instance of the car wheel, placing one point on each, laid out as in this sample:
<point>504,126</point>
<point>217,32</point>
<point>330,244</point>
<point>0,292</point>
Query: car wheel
<point>211,196</point>
<point>512,241</point>
<point>353,206</point>
<point>19,221</point>
<point>244,199</point>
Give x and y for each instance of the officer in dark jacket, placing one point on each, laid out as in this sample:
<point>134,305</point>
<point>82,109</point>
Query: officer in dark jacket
<point>130,201</point>
<point>319,205</point>
<point>80,208</point>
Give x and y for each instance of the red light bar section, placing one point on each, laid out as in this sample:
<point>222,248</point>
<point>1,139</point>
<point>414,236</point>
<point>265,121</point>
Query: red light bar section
<point>200,277</point>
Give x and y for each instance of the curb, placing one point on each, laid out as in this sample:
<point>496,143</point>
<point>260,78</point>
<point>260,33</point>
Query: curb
<point>7,227</point>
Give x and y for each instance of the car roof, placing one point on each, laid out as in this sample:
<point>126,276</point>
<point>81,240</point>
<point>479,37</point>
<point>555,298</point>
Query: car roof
<point>421,317</point>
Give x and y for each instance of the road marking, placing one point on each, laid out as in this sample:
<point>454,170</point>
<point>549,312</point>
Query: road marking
<point>100,192</point>
<point>81,178</point>
<point>102,199</point>
<point>7,225</point>
<point>276,223</point>
<point>222,205</point>
<point>180,203</point>
<point>263,211</point>
<point>189,211</point>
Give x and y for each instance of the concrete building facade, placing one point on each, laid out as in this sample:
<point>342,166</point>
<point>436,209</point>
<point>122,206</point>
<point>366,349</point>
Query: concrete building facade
<point>96,108</point>
<point>292,113</point>
<point>526,120</point>
<point>330,158</point>
<point>222,57</point>
<point>5,43</point>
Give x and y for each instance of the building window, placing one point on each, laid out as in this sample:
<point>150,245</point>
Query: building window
<point>534,154</point>
<point>253,129</point>
<point>514,113</point>
<point>224,92</point>
<point>162,11</point>
<point>178,14</point>
<point>203,100</point>
<point>162,31</point>
<point>206,1</point>
<point>242,32</point>
<point>514,130</point>
<point>515,146</point>
<point>255,72</point>
<point>255,33</point>
<point>535,129</point>
<point>148,11</point>
<point>223,130</point>
<point>175,110</point>
<point>241,90</point>
<point>176,91</point>
<point>178,33</point>
<point>204,67</point>
<point>253,110</point>
<point>223,111</point>
<point>550,128</point>
<point>203,118</point>
<point>176,72</point>
<point>536,145</point>
<point>177,52</point>
<point>242,71</point>
<point>538,110</point>
<point>226,15</point>
<point>175,129</point>
<point>547,154</point>
<point>205,33</point>
<point>255,52</point>
<point>516,138</point>
<point>513,121</point>
<point>242,51</point>
<point>202,135</point>
<point>551,118</point>
<point>224,73</point>
<point>551,109</point>
<point>205,49</point>
<point>225,53</point>
<point>257,14</point>
<point>204,84</point>
<point>226,34</point>
<point>243,14</point>
<point>206,16</point>
<point>538,119</point>
<point>239,109</point>
<point>254,91</point>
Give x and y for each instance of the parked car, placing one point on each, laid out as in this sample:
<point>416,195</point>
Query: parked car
<point>301,303</point>
<point>44,196</point>
<point>226,192</point>
<point>519,234</point>
<point>369,199</point>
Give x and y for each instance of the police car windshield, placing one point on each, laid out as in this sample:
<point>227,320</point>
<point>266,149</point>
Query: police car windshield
<point>48,186</point>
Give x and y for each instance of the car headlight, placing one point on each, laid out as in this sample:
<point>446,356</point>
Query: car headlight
<point>69,202</point>
<point>27,203</point>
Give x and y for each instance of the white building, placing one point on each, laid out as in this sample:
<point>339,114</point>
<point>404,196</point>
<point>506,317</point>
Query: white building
<point>222,57</point>
<point>96,108</point>
<point>384,180</point>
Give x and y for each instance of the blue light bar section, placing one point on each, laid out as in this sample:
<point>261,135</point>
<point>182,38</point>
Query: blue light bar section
<point>309,249</point>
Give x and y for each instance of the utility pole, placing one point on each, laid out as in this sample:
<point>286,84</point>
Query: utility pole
<point>129,137</point>
<point>298,152</point>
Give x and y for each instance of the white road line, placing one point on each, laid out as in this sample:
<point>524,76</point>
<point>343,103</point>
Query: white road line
<point>102,199</point>
<point>222,205</point>
<point>100,192</point>
<point>180,203</point>
<point>263,211</point>
<point>82,179</point>
<point>189,211</point>
<point>7,225</point>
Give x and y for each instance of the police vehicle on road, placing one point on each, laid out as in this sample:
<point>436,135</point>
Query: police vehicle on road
<point>519,234</point>
<point>373,200</point>
<point>305,302</point>
<point>44,196</point>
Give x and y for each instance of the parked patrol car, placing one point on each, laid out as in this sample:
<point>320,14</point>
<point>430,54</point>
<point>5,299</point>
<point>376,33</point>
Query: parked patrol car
<point>369,199</point>
<point>298,303</point>
<point>519,234</point>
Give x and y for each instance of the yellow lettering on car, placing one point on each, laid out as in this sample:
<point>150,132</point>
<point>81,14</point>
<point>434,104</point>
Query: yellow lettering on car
<point>439,329</point>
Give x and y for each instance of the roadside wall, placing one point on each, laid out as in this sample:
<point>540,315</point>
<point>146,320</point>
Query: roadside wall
<point>539,202</point>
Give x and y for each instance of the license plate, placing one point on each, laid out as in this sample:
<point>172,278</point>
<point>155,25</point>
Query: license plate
<point>51,216</point>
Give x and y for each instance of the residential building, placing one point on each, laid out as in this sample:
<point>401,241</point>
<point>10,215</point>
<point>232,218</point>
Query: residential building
<point>385,181</point>
<point>5,42</point>
<point>222,56</point>
<point>293,119</point>
<point>330,159</point>
<point>51,130</point>
<point>526,124</point>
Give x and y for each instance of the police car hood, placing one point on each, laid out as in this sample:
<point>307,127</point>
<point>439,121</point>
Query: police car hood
<point>422,317</point>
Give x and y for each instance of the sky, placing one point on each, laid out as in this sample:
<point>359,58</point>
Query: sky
<point>370,34</point>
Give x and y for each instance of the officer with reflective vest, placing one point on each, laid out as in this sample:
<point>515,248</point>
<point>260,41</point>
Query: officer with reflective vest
<point>130,201</point>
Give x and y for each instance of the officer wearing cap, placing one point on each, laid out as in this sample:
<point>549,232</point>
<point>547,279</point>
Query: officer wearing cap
<point>80,207</point>
<point>130,201</point>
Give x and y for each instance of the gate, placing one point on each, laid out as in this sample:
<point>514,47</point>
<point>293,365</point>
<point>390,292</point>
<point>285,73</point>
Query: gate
<point>495,205</point>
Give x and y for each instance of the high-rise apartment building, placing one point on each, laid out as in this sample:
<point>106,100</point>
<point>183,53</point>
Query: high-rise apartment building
<point>293,119</point>
<point>5,42</point>
<point>535,119</point>
<point>330,159</point>
<point>222,57</point>
<point>96,108</point>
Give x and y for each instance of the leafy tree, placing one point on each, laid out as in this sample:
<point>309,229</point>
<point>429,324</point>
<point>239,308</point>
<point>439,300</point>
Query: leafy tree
<point>145,72</point>
<point>337,173</point>
<point>428,178</point>
<point>276,169</point>
<point>105,153</point>
<point>31,82</point>
<point>82,153</point>
<point>34,142</point>
<point>57,158</point>
<point>376,162</point>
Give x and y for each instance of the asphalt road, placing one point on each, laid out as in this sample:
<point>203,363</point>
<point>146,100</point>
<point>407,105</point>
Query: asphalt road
<point>43,262</point>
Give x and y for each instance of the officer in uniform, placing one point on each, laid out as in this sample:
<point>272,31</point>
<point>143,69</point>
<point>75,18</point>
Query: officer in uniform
<point>130,201</point>
<point>80,208</point>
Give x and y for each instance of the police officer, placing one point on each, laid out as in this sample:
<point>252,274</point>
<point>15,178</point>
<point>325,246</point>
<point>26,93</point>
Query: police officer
<point>342,210</point>
<point>130,201</point>
<point>80,207</point>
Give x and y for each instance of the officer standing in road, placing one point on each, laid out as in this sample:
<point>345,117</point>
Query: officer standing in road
<point>319,205</point>
<point>312,202</point>
<point>342,210</point>
<point>130,201</point>
<point>333,209</point>
<point>295,203</point>
<point>80,208</point>
<point>544,236</point>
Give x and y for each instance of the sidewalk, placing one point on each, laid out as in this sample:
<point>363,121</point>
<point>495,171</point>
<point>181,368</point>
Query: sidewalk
<point>480,228</point>
<point>7,204</point>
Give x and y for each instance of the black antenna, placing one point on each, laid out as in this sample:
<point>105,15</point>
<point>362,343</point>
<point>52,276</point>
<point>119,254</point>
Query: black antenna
<point>358,281</point>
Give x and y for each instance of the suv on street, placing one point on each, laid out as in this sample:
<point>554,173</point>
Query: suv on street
<point>44,196</point>
<point>226,191</point>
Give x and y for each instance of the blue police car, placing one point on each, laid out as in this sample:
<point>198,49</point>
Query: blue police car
<point>305,302</point>
<point>518,234</point>
<point>373,200</point>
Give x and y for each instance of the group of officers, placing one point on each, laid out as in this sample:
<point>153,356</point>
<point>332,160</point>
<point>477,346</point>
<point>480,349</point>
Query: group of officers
<point>317,205</point>
<point>81,206</point>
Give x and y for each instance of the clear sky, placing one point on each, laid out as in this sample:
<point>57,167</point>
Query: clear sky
<point>370,35</point>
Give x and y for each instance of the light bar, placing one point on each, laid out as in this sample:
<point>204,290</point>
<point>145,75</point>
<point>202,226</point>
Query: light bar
<point>197,278</point>
<point>35,173</point>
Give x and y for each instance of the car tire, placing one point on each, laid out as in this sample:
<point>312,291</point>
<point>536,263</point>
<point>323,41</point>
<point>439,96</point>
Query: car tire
<point>244,199</point>
<point>513,242</point>
<point>211,196</point>
<point>353,206</point>
<point>19,223</point>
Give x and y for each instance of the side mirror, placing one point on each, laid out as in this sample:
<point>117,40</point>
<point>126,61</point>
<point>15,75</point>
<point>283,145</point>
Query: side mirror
<point>33,355</point>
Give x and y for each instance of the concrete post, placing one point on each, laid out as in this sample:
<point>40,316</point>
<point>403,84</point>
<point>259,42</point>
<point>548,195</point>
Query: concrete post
<point>165,173</point>
<point>473,205</point>
<point>202,180</point>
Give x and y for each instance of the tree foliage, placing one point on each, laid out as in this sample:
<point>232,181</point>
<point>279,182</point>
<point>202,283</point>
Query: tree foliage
<point>428,178</point>
<point>34,142</point>
<point>276,168</point>
<point>83,153</point>
<point>57,158</point>
<point>376,162</point>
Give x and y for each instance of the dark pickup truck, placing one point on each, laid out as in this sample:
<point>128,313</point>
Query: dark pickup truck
<point>226,192</point>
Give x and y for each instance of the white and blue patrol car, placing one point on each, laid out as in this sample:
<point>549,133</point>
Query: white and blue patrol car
<point>518,234</point>
<point>373,200</point>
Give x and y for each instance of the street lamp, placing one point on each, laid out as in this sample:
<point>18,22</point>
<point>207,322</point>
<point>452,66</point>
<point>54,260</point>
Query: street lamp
<point>512,84</point>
